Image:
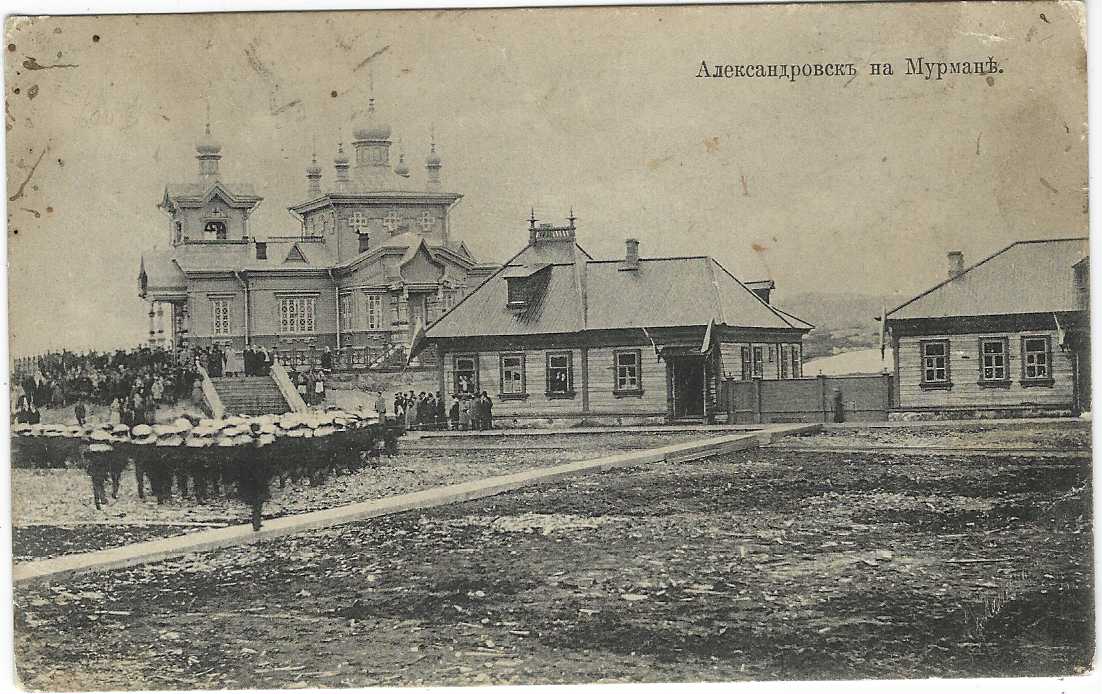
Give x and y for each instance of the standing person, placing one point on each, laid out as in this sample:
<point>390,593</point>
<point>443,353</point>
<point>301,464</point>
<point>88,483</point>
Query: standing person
<point>411,414</point>
<point>319,386</point>
<point>80,412</point>
<point>235,365</point>
<point>487,411</point>
<point>380,407</point>
<point>476,412</point>
<point>157,390</point>
<point>399,410</point>
<point>465,413</point>
<point>265,361</point>
<point>300,386</point>
<point>310,395</point>
<point>454,414</point>
<point>326,360</point>
<point>97,463</point>
<point>441,411</point>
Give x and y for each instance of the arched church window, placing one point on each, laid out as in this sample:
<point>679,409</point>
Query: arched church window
<point>216,228</point>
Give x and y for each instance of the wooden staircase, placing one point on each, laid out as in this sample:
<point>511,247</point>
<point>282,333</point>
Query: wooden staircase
<point>250,395</point>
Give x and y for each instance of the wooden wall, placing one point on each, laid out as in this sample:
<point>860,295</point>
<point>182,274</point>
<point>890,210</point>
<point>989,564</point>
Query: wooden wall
<point>596,362</point>
<point>964,365</point>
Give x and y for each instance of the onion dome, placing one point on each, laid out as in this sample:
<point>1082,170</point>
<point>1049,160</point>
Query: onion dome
<point>208,145</point>
<point>433,159</point>
<point>402,168</point>
<point>313,169</point>
<point>373,131</point>
<point>341,157</point>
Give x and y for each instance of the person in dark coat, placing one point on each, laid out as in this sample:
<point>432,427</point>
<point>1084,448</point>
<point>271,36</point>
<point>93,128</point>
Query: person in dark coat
<point>486,410</point>
<point>80,412</point>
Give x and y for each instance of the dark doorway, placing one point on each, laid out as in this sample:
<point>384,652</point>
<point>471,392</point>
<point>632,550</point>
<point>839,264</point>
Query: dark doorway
<point>687,385</point>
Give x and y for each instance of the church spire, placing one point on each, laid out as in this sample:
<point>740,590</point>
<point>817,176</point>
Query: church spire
<point>208,152</point>
<point>433,163</point>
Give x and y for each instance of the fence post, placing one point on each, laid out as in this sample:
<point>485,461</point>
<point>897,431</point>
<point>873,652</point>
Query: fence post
<point>823,398</point>
<point>729,384</point>
<point>757,401</point>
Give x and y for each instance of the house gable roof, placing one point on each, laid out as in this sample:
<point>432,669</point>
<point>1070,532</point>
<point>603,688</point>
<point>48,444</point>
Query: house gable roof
<point>585,294</point>
<point>1025,277</point>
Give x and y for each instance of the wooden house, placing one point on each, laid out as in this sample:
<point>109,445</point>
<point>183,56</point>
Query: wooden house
<point>557,337</point>
<point>1007,336</point>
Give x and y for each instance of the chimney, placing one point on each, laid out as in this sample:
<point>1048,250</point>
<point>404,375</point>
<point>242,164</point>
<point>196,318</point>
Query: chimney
<point>956,264</point>
<point>631,254</point>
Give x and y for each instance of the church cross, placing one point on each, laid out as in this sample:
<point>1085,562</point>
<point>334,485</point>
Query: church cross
<point>427,221</point>
<point>358,222</point>
<point>391,220</point>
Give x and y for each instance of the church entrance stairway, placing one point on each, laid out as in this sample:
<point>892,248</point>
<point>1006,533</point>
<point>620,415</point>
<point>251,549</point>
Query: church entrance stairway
<point>250,395</point>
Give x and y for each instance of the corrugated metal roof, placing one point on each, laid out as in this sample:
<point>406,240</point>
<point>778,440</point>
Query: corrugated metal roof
<point>1025,277</point>
<point>662,292</point>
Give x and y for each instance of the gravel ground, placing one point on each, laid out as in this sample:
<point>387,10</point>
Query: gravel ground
<point>762,564</point>
<point>1058,434</point>
<point>52,509</point>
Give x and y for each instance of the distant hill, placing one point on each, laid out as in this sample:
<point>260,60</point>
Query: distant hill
<point>844,321</point>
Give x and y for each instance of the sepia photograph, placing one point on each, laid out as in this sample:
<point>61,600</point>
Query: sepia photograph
<point>441,346</point>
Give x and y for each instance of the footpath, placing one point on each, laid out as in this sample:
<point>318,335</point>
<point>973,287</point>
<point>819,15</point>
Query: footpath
<point>207,540</point>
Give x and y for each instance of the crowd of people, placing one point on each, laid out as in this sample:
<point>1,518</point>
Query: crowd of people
<point>427,410</point>
<point>254,360</point>
<point>134,382</point>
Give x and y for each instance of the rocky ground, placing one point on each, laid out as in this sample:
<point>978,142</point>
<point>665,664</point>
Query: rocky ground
<point>53,512</point>
<point>1054,434</point>
<point>762,564</point>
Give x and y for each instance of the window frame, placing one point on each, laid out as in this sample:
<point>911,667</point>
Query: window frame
<point>796,354</point>
<point>215,301</point>
<point>746,361</point>
<point>784,361</point>
<point>616,387</point>
<point>523,393</point>
<point>941,384</point>
<point>1003,382</point>
<point>369,324</point>
<point>757,361</point>
<point>569,392</point>
<point>307,319</point>
<point>1037,381</point>
<point>348,312</point>
<point>456,372</point>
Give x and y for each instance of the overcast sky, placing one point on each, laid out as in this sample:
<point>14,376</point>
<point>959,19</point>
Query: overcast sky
<point>825,184</point>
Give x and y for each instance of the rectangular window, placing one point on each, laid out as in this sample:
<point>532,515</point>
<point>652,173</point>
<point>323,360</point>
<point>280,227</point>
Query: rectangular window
<point>797,359</point>
<point>771,353</point>
<point>628,379</point>
<point>560,373</point>
<point>758,368</point>
<point>1036,360</point>
<point>297,314</point>
<point>935,363</point>
<point>348,318</point>
<point>786,360</point>
<point>466,374</point>
<point>374,311</point>
<point>219,316</point>
<point>747,363</point>
<point>994,360</point>
<point>512,374</point>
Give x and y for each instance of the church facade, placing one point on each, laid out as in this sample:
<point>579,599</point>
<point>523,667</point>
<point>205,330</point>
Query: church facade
<point>375,255</point>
